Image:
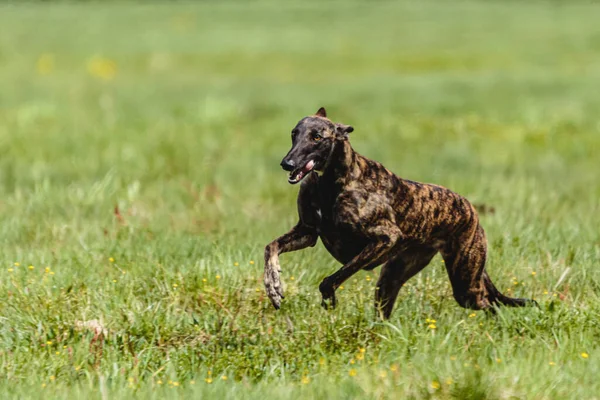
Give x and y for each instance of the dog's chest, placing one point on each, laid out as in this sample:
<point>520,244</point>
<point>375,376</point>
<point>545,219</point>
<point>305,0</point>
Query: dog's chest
<point>341,238</point>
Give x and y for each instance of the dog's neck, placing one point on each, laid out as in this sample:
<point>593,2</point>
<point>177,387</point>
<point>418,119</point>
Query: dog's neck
<point>341,163</point>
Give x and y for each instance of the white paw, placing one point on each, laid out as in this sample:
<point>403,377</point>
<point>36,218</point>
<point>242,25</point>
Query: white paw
<point>273,284</point>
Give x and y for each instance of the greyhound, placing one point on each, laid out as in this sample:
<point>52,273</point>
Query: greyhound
<point>367,216</point>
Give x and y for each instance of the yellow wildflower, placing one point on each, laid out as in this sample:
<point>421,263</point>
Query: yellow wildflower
<point>45,64</point>
<point>218,277</point>
<point>112,260</point>
<point>432,326</point>
<point>435,385</point>
<point>251,262</point>
<point>393,368</point>
<point>305,380</point>
<point>236,264</point>
<point>449,381</point>
<point>17,264</point>
<point>498,360</point>
<point>223,377</point>
<point>208,380</point>
<point>31,267</point>
<point>103,68</point>
<point>472,315</point>
<point>10,270</point>
<point>352,372</point>
<point>585,355</point>
<point>552,363</point>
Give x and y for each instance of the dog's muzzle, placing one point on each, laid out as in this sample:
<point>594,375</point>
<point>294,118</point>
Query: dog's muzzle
<point>299,173</point>
<point>287,165</point>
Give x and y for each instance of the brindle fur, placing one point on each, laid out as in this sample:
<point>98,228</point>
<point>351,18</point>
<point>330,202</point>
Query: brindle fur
<point>367,216</point>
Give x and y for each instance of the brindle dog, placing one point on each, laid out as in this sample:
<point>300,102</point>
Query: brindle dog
<point>367,216</point>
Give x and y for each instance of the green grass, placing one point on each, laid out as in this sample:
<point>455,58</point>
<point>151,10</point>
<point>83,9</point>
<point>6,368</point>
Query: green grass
<point>177,116</point>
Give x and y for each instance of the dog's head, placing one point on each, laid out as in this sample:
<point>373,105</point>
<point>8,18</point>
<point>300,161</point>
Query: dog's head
<point>313,139</point>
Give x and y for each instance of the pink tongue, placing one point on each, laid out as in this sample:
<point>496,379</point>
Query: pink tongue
<point>305,170</point>
<point>309,165</point>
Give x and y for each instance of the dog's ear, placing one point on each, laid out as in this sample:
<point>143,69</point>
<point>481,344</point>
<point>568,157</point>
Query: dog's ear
<point>342,131</point>
<point>321,112</point>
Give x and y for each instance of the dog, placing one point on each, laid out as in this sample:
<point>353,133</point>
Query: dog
<point>366,216</point>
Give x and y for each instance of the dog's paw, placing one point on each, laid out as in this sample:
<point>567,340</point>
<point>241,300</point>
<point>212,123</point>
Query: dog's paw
<point>273,285</point>
<point>328,294</point>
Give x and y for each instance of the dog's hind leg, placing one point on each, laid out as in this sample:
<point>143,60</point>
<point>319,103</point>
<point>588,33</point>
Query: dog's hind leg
<point>300,237</point>
<point>465,258</point>
<point>395,273</point>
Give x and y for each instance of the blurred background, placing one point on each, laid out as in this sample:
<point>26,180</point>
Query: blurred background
<point>188,106</point>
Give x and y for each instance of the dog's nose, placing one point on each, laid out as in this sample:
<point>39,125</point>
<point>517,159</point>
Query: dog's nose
<point>287,165</point>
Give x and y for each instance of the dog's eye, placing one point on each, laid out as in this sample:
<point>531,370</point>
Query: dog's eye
<point>316,137</point>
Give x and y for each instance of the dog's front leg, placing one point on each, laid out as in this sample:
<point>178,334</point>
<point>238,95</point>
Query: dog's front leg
<point>300,237</point>
<point>373,254</point>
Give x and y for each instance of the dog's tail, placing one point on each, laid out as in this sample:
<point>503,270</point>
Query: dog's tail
<point>498,298</point>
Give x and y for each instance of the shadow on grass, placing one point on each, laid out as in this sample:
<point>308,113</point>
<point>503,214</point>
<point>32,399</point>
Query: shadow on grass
<point>474,387</point>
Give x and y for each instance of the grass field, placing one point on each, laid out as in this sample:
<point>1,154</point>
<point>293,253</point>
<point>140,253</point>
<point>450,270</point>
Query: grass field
<point>140,181</point>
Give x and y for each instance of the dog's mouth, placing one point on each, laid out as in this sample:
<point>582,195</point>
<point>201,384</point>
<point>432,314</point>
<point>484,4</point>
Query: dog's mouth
<point>300,173</point>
